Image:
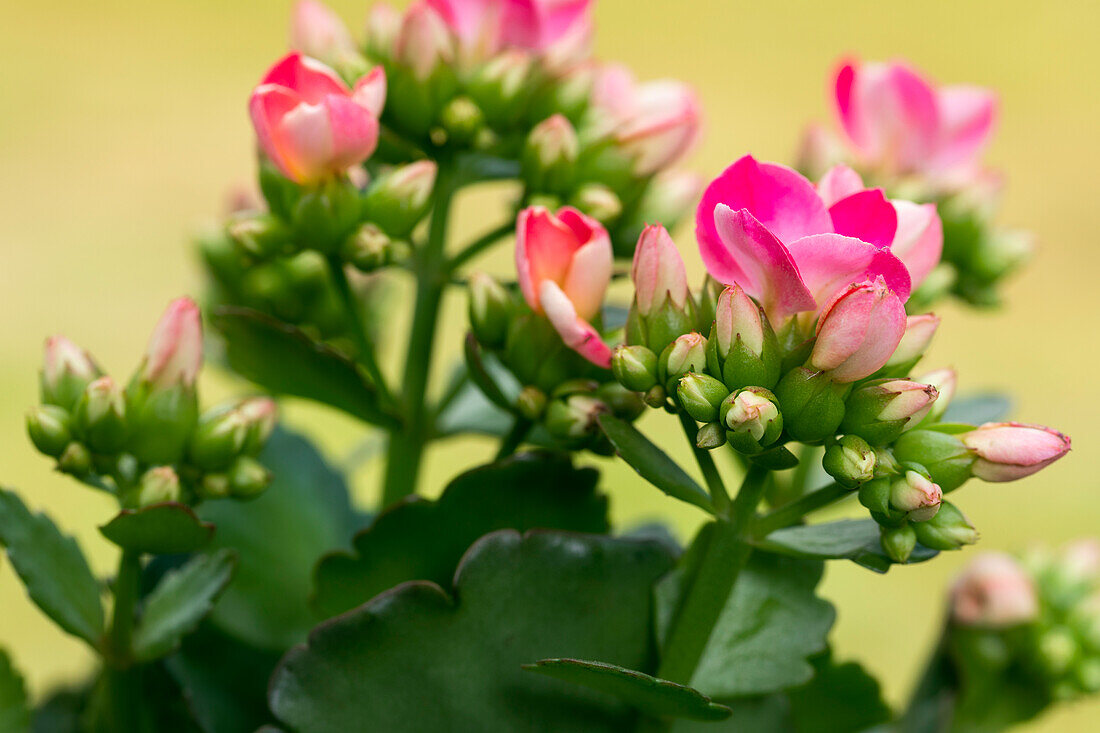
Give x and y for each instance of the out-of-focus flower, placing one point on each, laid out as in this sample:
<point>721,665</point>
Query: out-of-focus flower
<point>318,32</point>
<point>994,591</point>
<point>310,124</point>
<point>67,369</point>
<point>485,27</point>
<point>563,262</point>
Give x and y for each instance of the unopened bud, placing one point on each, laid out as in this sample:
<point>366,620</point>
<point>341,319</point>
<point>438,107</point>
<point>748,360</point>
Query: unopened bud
<point>574,417</point>
<point>158,485</point>
<point>669,195</point>
<point>261,414</point>
<point>1008,451</point>
<point>948,530</point>
<point>174,354</point>
<point>260,235</point>
<point>318,32</point>
<point>745,351</point>
<point>701,396</point>
<point>218,438</point>
<point>656,397</point>
<point>919,331</point>
<point>623,403</point>
<point>66,371</point>
<point>598,201</point>
<point>997,254</point>
<point>100,416</point>
<point>490,310</point>
<point>75,460</point>
<point>498,86</point>
<point>994,591</point>
<point>858,331</point>
<point>248,478</point>
<point>881,410</point>
<point>688,353</point>
<point>398,200</point>
<point>946,381</point>
<point>752,418</point>
<point>383,25</point>
<point>662,309</point>
<point>1056,651</point>
<point>635,367</point>
<point>850,461</point>
<point>531,402</point>
<point>916,495</point>
<point>368,249</point>
<point>461,120</point>
<point>711,436</point>
<point>948,461</point>
<point>811,404</point>
<point>326,214</point>
<point>898,542</point>
<point>423,43</point>
<point>550,155</point>
<point>214,486</point>
<point>48,428</point>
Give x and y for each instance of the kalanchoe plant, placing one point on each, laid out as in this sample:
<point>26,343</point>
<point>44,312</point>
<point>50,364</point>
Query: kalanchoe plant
<point>510,602</point>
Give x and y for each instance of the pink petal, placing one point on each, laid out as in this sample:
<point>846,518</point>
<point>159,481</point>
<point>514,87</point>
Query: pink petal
<point>589,275</point>
<point>354,132</point>
<point>828,263</point>
<point>370,91</point>
<point>577,333</point>
<point>901,115</point>
<point>845,104</point>
<point>267,107</point>
<point>769,273</point>
<point>537,24</point>
<point>887,325</point>
<point>919,241</point>
<point>967,115</point>
<point>311,79</point>
<point>839,182</point>
<point>866,215</point>
<point>467,18</point>
<point>664,125</point>
<point>306,140</point>
<point>658,271</point>
<point>546,244</point>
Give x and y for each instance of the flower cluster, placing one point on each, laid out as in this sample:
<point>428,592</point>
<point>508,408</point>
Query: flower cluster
<point>146,442</point>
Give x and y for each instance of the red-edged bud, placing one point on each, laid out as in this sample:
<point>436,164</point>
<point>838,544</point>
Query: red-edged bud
<point>491,309</point>
<point>398,200</point>
<point>318,32</point>
<point>916,495</point>
<point>158,485</point>
<point>811,404</point>
<point>1008,451</point>
<point>858,331</point>
<point>100,416</point>
<point>635,367</point>
<point>946,382</point>
<point>948,461</point>
<point>744,349</point>
<point>850,461</point>
<point>423,44</point>
<point>686,354</point>
<point>898,542</point>
<point>49,429</point>
<point>662,309</point>
<point>383,26</point>
<point>701,396</point>
<point>919,331</point>
<point>174,355</point>
<point>948,530</point>
<point>752,419</point>
<point>994,591</point>
<point>550,155</point>
<point>883,409</point>
<point>66,371</point>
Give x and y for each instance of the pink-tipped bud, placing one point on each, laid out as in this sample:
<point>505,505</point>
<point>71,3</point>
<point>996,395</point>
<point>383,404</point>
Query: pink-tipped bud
<point>383,25</point>
<point>423,43</point>
<point>883,409</point>
<point>318,32</point>
<point>916,495</point>
<point>738,317</point>
<point>906,400</point>
<point>66,371</point>
<point>658,272</point>
<point>688,353</point>
<point>1008,451</point>
<point>261,414</point>
<point>919,331</point>
<point>946,382</point>
<point>994,591</point>
<point>858,331</point>
<point>174,354</point>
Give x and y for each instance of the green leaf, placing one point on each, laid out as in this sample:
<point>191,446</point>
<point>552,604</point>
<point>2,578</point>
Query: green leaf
<point>851,539</point>
<point>158,529</point>
<point>977,409</point>
<point>53,569</point>
<point>413,659</point>
<point>655,697</point>
<point>424,540</point>
<point>278,538</point>
<point>179,602</point>
<point>285,360</point>
<point>652,463</point>
<point>480,375</point>
<point>14,714</point>
<point>771,623</point>
<point>841,698</point>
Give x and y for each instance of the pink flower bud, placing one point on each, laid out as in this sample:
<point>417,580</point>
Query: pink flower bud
<point>907,400</point>
<point>261,415</point>
<point>424,41</point>
<point>174,354</point>
<point>310,123</point>
<point>485,27</point>
<point>917,495</point>
<point>383,25</point>
<point>318,32</point>
<point>688,353</point>
<point>658,271</point>
<point>563,262</point>
<point>1009,450</point>
<point>66,371</point>
<point>994,591</point>
<point>946,381</point>
<point>858,331</point>
<point>919,331</point>
<point>738,316</point>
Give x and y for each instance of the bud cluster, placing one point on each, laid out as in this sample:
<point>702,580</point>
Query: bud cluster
<point>148,437</point>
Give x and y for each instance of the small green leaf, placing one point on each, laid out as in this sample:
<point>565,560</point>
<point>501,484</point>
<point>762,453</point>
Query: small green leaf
<point>179,601</point>
<point>848,539</point>
<point>158,529</point>
<point>840,698</point>
<point>53,569</point>
<point>285,360</point>
<point>978,409</point>
<point>656,697</point>
<point>480,376</point>
<point>652,463</point>
<point>424,540</point>
<point>15,717</point>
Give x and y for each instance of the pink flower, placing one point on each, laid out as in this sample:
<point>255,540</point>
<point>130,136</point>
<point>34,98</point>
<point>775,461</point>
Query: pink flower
<point>765,227</point>
<point>174,354</point>
<point>896,119</point>
<point>1008,451</point>
<point>658,271</point>
<point>485,27</point>
<point>564,265</point>
<point>994,591</point>
<point>310,124</point>
<point>858,331</point>
<point>656,123</point>
<point>318,32</point>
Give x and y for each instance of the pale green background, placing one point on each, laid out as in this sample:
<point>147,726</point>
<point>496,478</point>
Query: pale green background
<point>122,125</point>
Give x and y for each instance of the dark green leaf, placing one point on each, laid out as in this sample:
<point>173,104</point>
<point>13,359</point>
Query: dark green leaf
<point>179,602</point>
<point>158,529</point>
<point>852,539</point>
<point>977,409</point>
<point>655,697</point>
<point>285,360</point>
<point>53,569</point>
<point>415,660</point>
<point>771,624</point>
<point>841,698</point>
<point>14,715</point>
<point>62,710</point>
<point>652,463</point>
<point>278,539</point>
<point>762,714</point>
<point>424,540</point>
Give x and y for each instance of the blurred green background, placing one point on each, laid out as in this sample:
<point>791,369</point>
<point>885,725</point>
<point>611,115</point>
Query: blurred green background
<point>123,125</point>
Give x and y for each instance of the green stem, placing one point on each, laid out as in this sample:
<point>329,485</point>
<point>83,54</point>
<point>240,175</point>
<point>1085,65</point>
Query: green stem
<point>473,249</point>
<point>406,447</point>
<point>367,356</point>
<point>789,514</point>
<point>708,591</point>
<point>520,428</point>
<point>121,711</point>
<point>718,494</point>
<point>126,590</point>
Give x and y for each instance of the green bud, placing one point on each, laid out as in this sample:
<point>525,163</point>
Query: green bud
<point>708,303</point>
<point>711,436</point>
<point>326,214</point>
<point>368,249</point>
<point>67,370</point>
<point>656,397</point>
<point>753,419</point>
<point>260,235</point>
<point>549,156</point>
<point>948,530</point>
<point>598,201</point>
<point>158,485</point>
<point>214,486</point>
<point>491,308</point>
<point>635,367</point>
<point>623,403</point>
<point>945,457</point>
<point>850,461</point>
<point>898,542</point>
<point>688,353</point>
<point>531,402</point>
<point>261,415</point>
<point>48,428</point>
<point>701,396</point>
<point>875,495</point>
<point>499,86</point>
<point>161,421</point>
<point>811,404</point>
<point>218,438</point>
<point>248,478</point>
<point>743,348</point>
<point>399,199</point>
<point>461,119</point>
<point>999,253</point>
<point>1088,675</point>
<point>880,410</point>
<point>573,418</point>
<point>75,460</point>
<point>100,416</point>
<point>1056,651</point>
